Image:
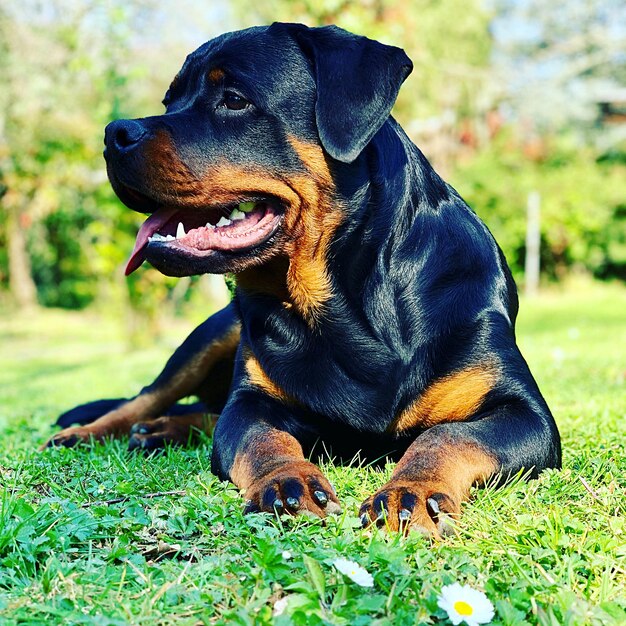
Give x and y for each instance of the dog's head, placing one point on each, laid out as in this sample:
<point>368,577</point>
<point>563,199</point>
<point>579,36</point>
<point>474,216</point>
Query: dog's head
<point>240,166</point>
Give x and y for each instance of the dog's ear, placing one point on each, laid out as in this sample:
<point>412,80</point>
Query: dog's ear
<point>357,81</point>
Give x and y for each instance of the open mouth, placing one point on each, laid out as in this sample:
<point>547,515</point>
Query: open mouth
<point>198,233</point>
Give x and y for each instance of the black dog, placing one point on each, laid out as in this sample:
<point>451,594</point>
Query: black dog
<point>374,311</point>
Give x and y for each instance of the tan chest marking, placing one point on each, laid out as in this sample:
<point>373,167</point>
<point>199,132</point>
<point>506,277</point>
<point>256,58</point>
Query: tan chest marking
<point>454,398</point>
<point>258,378</point>
<point>314,227</point>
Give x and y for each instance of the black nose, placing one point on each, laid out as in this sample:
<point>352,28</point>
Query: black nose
<point>123,135</point>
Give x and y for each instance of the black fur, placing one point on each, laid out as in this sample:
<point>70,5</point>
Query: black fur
<point>420,288</point>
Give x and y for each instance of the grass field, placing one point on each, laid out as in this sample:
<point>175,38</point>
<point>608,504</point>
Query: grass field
<point>92,536</point>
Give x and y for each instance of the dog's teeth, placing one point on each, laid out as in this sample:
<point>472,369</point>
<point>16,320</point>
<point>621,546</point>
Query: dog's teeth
<point>170,238</point>
<point>156,237</point>
<point>246,207</point>
<point>209,225</point>
<point>180,231</point>
<point>237,215</point>
<point>223,222</point>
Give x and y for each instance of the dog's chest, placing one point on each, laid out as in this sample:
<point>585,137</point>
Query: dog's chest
<point>349,379</point>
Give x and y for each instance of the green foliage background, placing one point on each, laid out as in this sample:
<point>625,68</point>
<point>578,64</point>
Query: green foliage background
<point>68,68</point>
<point>583,205</point>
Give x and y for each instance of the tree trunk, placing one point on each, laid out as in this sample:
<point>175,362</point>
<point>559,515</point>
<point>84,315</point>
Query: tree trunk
<point>21,284</point>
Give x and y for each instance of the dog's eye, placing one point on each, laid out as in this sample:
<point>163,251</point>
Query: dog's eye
<point>234,101</point>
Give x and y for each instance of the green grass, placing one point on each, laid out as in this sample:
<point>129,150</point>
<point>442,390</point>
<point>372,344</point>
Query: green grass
<point>83,542</point>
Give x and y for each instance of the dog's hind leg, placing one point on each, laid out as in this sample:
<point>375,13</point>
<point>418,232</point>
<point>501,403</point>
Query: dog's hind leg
<point>89,412</point>
<point>202,366</point>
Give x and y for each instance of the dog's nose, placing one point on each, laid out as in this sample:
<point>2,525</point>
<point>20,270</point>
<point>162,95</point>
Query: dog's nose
<point>123,135</point>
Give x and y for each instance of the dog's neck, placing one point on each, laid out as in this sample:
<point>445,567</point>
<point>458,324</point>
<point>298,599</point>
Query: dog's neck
<point>400,192</point>
<point>383,194</point>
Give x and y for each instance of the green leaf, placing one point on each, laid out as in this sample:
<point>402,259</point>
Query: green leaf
<point>509,614</point>
<point>340,597</point>
<point>317,575</point>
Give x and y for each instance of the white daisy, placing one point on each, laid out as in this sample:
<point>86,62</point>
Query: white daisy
<point>464,604</point>
<point>354,572</point>
<point>279,606</point>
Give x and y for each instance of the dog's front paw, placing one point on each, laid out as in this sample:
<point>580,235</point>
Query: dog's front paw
<point>294,488</point>
<point>406,505</point>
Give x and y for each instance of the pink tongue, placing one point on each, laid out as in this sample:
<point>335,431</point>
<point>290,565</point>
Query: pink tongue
<point>148,228</point>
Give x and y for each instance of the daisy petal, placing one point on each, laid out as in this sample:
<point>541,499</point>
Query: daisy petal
<point>354,572</point>
<point>463,603</point>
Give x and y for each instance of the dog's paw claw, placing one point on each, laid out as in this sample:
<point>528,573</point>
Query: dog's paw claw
<point>405,506</point>
<point>296,489</point>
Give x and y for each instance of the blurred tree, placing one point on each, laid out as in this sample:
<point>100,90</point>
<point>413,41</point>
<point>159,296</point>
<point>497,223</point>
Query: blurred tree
<point>557,58</point>
<point>65,69</point>
<point>583,211</point>
<point>556,61</point>
<point>21,284</point>
<point>48,109</point>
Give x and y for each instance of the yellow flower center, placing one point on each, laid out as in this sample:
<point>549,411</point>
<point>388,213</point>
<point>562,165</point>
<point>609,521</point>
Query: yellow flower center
<point>463,608</point>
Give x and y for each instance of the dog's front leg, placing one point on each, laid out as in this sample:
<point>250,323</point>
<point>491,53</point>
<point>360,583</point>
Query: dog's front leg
<point>256,447</point>
<point>439,468</point>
